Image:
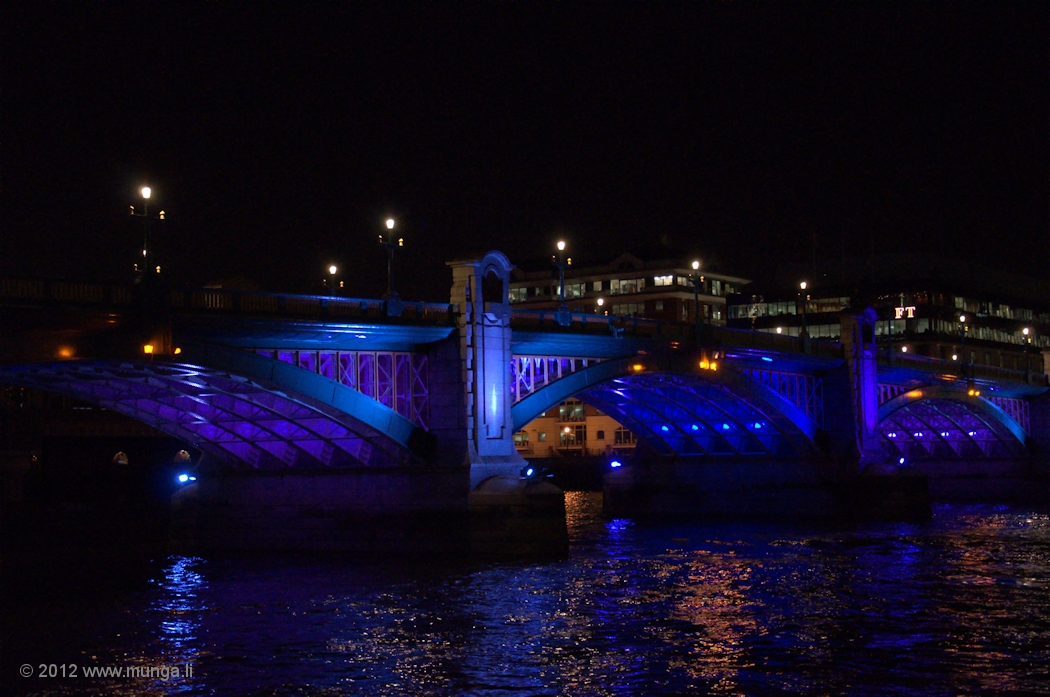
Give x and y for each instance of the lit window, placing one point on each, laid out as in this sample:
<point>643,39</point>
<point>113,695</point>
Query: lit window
<point>663,280</point>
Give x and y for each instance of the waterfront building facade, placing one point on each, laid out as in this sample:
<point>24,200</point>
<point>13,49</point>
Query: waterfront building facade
<point>629,286</point>
<point>928,308</point>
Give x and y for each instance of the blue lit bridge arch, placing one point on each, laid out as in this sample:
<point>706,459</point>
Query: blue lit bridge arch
<point>679,408</point>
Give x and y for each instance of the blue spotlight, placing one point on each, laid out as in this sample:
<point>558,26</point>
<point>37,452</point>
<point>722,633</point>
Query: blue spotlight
<point>533,474</point>
<point>758,425</point>
<point>900,461</point>
<point>725,427</point>
<point>663,428</point>
<point>767,359</point>
<point>185,478</point>
<point>615,464</point>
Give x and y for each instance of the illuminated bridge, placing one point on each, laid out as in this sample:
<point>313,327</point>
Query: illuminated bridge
<point>268,382</point>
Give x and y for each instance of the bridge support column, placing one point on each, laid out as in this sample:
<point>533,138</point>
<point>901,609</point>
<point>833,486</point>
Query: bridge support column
<point>858,343</point>
<point>1039,435</point>
<point>876,487</point>
<point>509,512</point>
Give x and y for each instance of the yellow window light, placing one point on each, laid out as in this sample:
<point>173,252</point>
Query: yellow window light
<point>177,350</point>
<point>637,367</point>
<point>147,349</point>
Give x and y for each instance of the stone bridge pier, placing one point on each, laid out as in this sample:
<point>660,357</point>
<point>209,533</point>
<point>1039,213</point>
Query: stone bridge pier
<point>510,505</point>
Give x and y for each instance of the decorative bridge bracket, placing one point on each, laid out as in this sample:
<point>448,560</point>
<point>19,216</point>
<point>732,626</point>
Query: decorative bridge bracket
<point>394,379</point>
<point>806,392</point>
<point>532,373</point>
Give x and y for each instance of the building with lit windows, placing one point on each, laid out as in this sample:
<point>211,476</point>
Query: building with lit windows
<point>573,429</point>
<point>928,308</point>
<point>630,287</point>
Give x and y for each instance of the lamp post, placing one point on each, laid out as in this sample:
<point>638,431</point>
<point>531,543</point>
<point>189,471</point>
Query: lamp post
<point>144,216</point>
<point>560,260</point>
<point>803,297</point>
<point>1027,343</point>
<point>962,339</point>
<point>696,279</point>
<point>330,281</point>
<point>387,241</point>
<point>601,304</point>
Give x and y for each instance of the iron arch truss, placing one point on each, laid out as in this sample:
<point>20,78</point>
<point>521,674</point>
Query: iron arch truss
<point>683,412</point>
<point>240,408</point>
<point>942,424</point>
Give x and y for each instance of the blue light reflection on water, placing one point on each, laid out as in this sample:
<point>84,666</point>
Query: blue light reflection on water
<point>958,605</point>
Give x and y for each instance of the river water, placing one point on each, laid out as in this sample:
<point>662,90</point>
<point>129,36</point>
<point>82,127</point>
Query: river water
<point>958,605</point>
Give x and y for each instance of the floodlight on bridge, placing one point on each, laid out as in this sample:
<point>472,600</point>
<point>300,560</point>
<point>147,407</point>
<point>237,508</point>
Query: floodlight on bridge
<point>185,478</point>
<point>531,473</point>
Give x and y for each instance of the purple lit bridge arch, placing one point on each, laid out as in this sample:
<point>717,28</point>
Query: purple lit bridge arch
<point>246,410</point>
<point>945,422</point>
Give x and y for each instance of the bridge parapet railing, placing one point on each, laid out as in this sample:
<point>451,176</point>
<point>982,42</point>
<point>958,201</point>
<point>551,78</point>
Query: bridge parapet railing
<point>591,323</point>
<point>250,302</point>
<point>651,328</point>
<point>971,370</point>
<point>781,343</point>
<point>72,292</point>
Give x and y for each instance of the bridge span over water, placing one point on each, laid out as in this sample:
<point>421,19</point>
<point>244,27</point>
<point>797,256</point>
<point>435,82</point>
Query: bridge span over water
<point>262,382</point>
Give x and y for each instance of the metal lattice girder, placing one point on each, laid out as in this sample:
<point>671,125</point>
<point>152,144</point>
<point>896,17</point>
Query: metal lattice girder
<point>802,390</point>
<point>398,380</point>
<point>531,373</point>
<point>888,392</point>
<point>944,429</point>
<point>1017,409</point>
<point>235,418</point>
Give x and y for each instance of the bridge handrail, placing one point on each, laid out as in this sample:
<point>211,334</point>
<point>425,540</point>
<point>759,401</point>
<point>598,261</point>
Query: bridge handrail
<point>972,370</point>
<point>640,326</point>
<point>242,301</point>
<point>80,292</point>
<point>218,300</point>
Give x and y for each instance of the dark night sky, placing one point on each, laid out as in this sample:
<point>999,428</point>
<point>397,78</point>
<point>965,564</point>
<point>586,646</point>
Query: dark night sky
<point>278,141</point>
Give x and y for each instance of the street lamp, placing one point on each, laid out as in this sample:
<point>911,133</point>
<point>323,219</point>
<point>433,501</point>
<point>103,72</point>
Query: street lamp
<point>330,281</point>
<point>601,303</point>
<point>962,339</point>
<point>560,261</point>
<point>1028,342</point>
<point>145,217</point>
<point>387,242</point>
<point>696,279</point>
<point>802,305</point>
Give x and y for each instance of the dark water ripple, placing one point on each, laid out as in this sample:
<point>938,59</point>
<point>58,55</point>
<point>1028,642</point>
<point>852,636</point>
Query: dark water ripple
<point>960,605</point>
